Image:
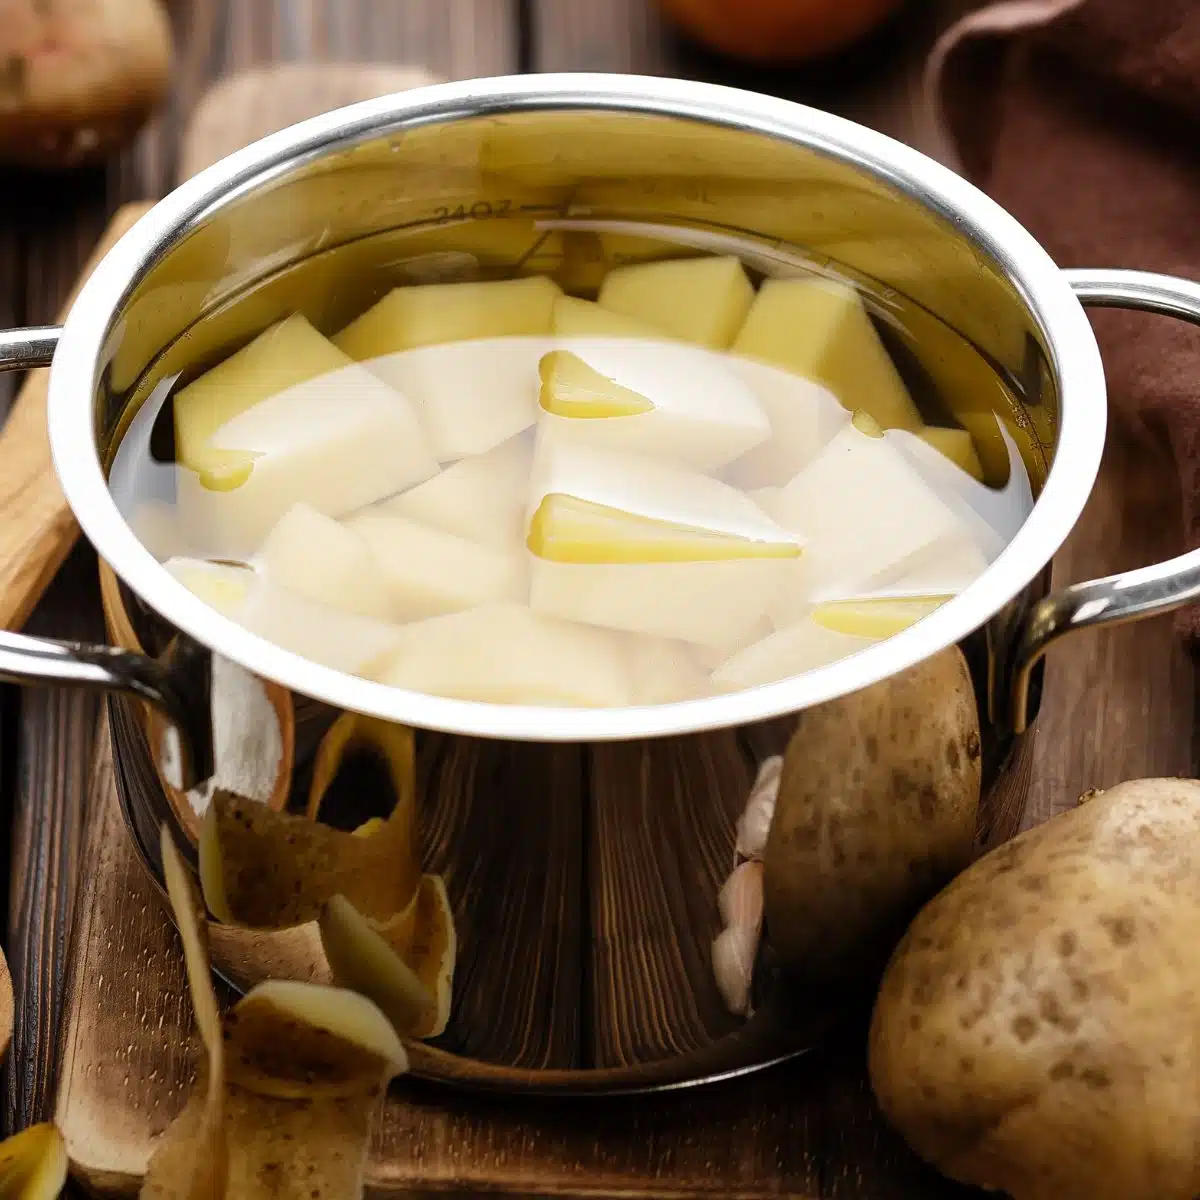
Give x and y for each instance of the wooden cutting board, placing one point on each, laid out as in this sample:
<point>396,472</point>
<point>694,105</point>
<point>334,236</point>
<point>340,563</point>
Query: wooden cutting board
<point>128,1040</point>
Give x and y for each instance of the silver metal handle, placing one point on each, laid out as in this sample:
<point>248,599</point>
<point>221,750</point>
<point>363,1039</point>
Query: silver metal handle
<point>178,684</point>
<point>1131,595</point>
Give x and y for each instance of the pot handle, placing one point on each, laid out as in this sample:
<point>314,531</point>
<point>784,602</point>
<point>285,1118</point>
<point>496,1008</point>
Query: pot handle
<point>178,683</point>
<point>1130,595</point>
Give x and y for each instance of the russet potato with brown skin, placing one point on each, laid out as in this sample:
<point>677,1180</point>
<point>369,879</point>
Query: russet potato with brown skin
<point>876,811</point>
<point>78,78</point>
<point>1038,1028</point>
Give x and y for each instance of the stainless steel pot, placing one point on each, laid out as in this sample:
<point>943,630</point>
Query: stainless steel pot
<point>582,849</point>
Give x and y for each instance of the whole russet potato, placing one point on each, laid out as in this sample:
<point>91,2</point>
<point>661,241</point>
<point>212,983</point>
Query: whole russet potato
<point>778,31</point>
<point>1038,1028</point>
<point>78,78</point>
<point>876,810</point>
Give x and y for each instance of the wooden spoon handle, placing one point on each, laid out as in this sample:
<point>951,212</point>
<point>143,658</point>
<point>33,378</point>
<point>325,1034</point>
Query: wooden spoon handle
<point>37,528</point>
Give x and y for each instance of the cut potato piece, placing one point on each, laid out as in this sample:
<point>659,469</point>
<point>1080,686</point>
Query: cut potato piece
<point>956,445</point>
<point>800,647</point>
<point>340,640</point>
<point>430,314</point>
<point>819,329</point>
<point>701,300</point>
<point>288,353</point>
<point>650,501</point>
<point>471,396</point>
<point>710,603</point>
<point>336,442</point>
<point>664,399</point>
<point>876,618</point>
<point>631,543</point>
<point>804,417</point>
<point>584,318</point>
<point>664,672</point>
<point>320,558</point>
<point>711,657</point>
<point>430,572</point>
<point>870,519</point>
<point>222,586</point>
<point>506,654</point>
<point>299,1040</point>
<point>481,499</point>
<point>570,388</point>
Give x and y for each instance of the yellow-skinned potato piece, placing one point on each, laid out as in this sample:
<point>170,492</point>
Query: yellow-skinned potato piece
<point>573,317</point>
<point>663,399</point>
<point>819,329</point>
<point>430,572</point>
<point>33,1164</point>
<point>877,618</point>
<point>701,300</point>
<point>337,441</point>
<point>957,446</point>
<point>288,353</point>
<point>429,314</point>
<point>326,561</point>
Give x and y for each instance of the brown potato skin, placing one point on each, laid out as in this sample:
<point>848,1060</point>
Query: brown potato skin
<point>1038,1028</point>
<point>78,78</point>
<point>876,811</point>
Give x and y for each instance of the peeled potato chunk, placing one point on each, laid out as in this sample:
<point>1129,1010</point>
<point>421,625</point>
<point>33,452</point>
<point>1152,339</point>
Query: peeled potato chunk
<point>956,445</point>
<point>802,646</point>
<point>506,654</point>
<point>221,586</point>
<point>336,442</point>
<point>433,313</point>
<point>481,498</point>
<point>471,396</point>
<point>818,328</point>
<point>288,353</point>
<point>342,641</point>
<point>664,399</point>
<point>631,543</point>
<point>664,671</point>
<point>324,560</point>
<point>701,300</point>
<point>572,317</point>
<point>430,572</point>
<point>804,417</point>
<point>869,517</point>
<point>876,618</point>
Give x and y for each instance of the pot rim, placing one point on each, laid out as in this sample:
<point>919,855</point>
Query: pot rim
<point>1074,355</point>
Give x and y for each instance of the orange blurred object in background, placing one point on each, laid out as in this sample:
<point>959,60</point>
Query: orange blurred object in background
<point>778,31</point>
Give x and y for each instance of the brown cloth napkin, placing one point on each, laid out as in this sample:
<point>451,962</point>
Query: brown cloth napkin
<point>1082,118</point>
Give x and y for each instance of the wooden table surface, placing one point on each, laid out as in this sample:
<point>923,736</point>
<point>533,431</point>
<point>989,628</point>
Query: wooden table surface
<point>1117,705</point>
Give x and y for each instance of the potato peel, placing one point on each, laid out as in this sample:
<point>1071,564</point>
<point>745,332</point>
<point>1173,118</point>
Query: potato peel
<point>284,1103</point>
<point>33,1164</point>
<point>301,1040</point>
<point>423,936</point>
<point>268,870</point>
<point>363,960</point>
